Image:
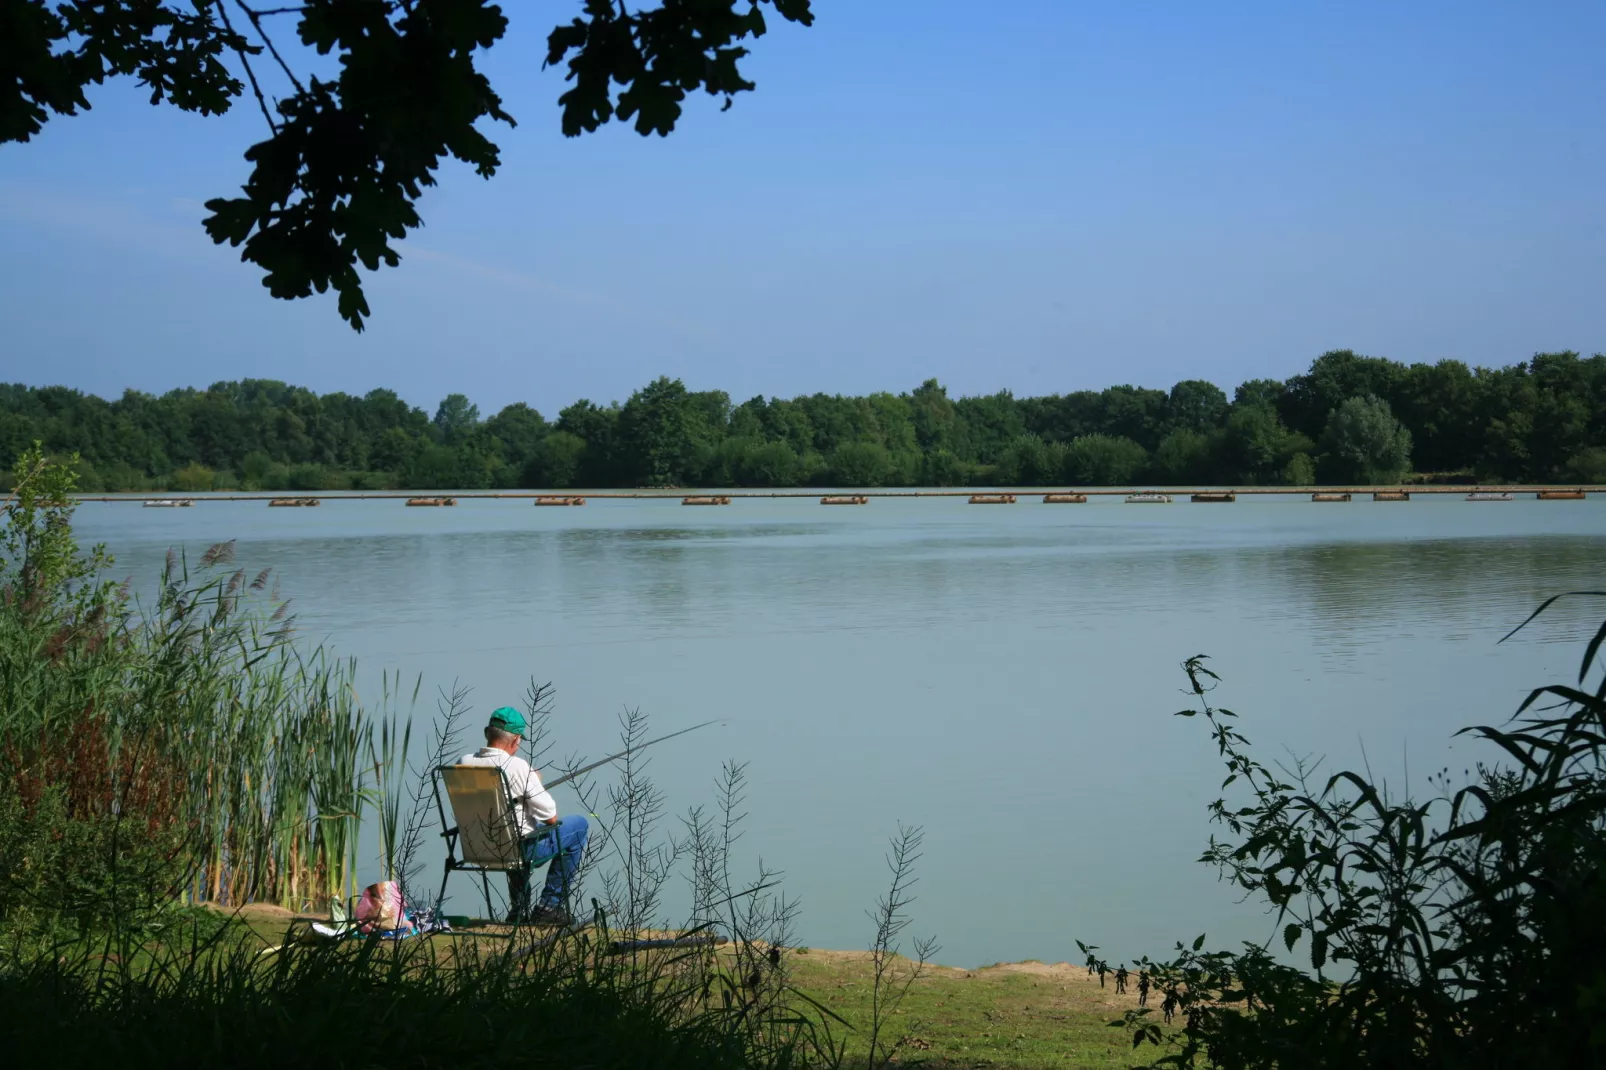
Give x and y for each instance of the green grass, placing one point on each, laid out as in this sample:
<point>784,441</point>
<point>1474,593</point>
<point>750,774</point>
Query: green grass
<point>1027,1014</point>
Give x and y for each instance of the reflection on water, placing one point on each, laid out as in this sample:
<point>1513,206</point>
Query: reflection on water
<point>1005,679</point>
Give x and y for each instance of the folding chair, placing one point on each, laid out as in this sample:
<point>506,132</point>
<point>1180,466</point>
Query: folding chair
<point>486,830</point>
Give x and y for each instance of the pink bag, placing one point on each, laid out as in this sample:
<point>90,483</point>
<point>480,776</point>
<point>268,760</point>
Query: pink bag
<point>381,909</point>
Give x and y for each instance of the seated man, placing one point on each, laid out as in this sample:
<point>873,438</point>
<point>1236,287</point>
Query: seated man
<point>544,835</point>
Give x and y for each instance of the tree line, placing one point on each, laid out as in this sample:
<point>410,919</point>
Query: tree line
<point>1347,419</point>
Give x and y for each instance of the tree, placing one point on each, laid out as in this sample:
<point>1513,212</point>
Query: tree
<point>934,418</point>
<point>860,464</point>
<point>1029,461</point>
<point>1196,405</point>
<point>1103,461</point>
<point>518,430</point>
<point>659,429</point>
<point>1333,378</point>
<point>1134,413</point>
<point>1185,456</point>
<point>556,462</point>
<point>408,93</point>
<point>1266,392</point>
<point>1256,445</point>
<point>1364,443</point>
<point>768,464</point>
<point>455,418</point>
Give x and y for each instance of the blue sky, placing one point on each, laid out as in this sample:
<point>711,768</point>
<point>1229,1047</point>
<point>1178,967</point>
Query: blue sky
<point>1043,196</point>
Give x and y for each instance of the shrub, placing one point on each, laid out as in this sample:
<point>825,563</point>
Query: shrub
<point>315,477</point>
<point>1460,931</point>
<point>193,477</point>
<point>1300,471</point>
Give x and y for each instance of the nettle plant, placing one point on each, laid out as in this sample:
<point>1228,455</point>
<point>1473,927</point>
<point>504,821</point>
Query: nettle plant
<point>1464,930</point>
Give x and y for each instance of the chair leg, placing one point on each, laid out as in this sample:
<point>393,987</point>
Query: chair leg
<point>490,909</point>
<point>440,900</point>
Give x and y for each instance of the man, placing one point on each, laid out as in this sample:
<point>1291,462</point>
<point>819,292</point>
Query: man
<point>544,835</point>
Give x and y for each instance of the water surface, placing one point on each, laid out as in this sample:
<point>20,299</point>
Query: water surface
<point>1004,677</point>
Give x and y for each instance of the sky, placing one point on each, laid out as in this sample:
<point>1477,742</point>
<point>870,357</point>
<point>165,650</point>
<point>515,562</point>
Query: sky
<point>1040,196</point>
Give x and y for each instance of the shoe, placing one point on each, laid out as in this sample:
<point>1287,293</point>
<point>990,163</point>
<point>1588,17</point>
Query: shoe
<point>554,916</point>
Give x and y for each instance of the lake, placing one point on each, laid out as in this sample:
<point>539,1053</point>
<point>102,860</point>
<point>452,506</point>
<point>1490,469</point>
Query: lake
<point>1004,677</point>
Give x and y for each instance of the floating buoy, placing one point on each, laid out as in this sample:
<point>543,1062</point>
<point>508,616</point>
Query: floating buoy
<point>844,499</point>
<point>1215,496</point>
<point>1391,496</point>
<point>431,501</point>
<point>168,503</point>
<point>1329,496</point>
<point>1561,495</point>
<point>559,499</point>
<point>291,503</point>
<point>706,499</point>
<point>1490,496</point>
<point>992,499</point>
<point>1065,499</point>
<point>1150,497</point>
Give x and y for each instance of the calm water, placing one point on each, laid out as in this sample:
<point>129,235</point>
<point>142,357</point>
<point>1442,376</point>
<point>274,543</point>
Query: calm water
<point>1004,677</point>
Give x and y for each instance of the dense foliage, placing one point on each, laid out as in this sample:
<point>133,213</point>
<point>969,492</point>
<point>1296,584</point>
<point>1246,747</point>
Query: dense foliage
<point>347,157</point>
<point>176,748</point>
<point>1460,930</point>
<point>1347,419</point>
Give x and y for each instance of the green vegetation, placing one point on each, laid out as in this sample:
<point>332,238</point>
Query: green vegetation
<point>406,95</point>
<point>178,751</point>
<point>225,999</point>
<point>1346,419</point>
<point>1461,930</point>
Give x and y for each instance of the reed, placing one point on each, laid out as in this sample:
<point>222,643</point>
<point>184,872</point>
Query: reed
<point>191,720</point>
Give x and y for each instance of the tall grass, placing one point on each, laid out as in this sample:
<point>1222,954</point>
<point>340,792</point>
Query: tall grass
<point>189,724</point>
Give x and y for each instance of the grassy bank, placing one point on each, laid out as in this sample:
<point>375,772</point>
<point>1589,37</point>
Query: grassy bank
<point>1026,1015</point>
<point>1017,1014</point>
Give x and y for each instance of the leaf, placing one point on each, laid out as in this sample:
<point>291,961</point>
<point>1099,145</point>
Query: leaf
<point>1291,934</point>
<point>1318,950</point>
<point>1199,941</point>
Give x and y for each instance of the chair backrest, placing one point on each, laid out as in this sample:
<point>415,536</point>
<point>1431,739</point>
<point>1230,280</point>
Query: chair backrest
<point>487,830</point>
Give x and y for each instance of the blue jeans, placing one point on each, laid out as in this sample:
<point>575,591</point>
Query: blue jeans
<point>562,845</point>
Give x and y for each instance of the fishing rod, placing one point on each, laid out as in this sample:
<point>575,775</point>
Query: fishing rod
<point>615,757</point>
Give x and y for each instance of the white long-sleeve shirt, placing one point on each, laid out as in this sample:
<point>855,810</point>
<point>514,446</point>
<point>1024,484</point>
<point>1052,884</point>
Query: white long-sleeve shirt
<point>533,805</point>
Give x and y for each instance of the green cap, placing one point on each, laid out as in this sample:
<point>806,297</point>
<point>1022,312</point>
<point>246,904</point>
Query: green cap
<point>508,720</point>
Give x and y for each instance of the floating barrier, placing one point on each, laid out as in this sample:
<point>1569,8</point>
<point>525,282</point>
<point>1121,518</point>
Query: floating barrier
<point>291,503</point>
<point>168,503</point>
<point>1561,495</point>
<point>1149,497</point>
<point>1215,496</point>
<point>1490,496</point>
<point>1329,496</point>
<point>1391,496</point>
<point>1065,499</point>
<point>992,499</point>
<point>844,499</point>
<point>559,499</point>
<point>432,501</point>
<point>706,499</point>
